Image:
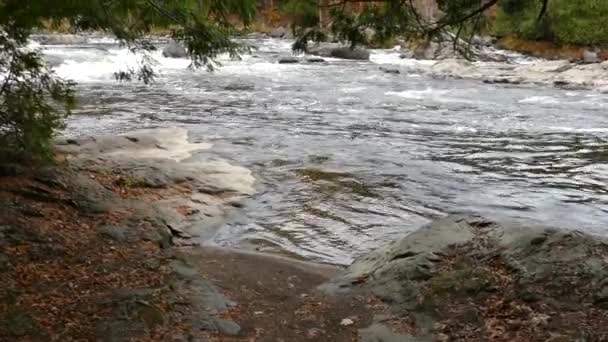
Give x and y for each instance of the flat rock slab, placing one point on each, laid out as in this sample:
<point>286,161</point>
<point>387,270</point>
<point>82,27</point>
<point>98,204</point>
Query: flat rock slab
<point>199,191</point>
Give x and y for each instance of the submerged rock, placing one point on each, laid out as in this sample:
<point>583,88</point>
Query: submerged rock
<point>315,60</point>
<point>289,60</point>
<point>390,70</point>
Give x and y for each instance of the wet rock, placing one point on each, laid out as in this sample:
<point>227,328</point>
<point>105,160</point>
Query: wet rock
<point>278,32</point>
<point>175,50</point>
<point>336,51</point>
<point>289,60</point>
<point>348,53</point>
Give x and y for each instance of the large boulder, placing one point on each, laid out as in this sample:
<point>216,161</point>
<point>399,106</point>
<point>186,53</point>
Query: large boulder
<point>289,60</point>
<point>343,52</point>
<point>464,271</point>
<point>175,50</point>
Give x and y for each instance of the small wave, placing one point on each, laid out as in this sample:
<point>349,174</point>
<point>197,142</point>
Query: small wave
<point>418,94</point>
<point>540,100</point>
<point>580,130</point>
<point>383,57</point>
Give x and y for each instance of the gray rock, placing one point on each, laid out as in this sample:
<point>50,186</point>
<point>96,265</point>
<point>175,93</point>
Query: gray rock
<point>175,50</point>
<point>289,60</point>
<point>397,273</point>
<point>590,57</point>
<point>336,51</point>
<point>116,234</point>
<point>159,234</point>
<point>227,327</point>
<point>348,53</point>
<point>278,32</point>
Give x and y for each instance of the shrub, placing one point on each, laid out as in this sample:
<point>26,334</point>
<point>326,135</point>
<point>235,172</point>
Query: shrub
<point>33,101</point>
<point>580,22</point>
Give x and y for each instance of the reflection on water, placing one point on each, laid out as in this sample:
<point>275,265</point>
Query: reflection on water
<point>349,157</point>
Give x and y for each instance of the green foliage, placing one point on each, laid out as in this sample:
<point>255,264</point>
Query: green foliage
<point>303,13</point>
<point>34,101</point>
<point>579,22</point>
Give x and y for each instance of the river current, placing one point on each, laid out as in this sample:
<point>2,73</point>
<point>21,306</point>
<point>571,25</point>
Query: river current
<point>348,157</point>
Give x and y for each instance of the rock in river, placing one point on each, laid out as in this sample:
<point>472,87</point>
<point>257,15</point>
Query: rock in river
<point>337,51</point>
<point>289,60</point>
<point>175,50</point>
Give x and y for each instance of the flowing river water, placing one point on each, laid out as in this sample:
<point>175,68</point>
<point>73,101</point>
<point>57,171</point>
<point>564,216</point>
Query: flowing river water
<point>348,157</point>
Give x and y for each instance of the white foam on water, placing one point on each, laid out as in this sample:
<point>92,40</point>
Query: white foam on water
<point>418,94</point>
<point>385,57</point>
<point>540,100</point>
<point>580,130</point>
<point>101,65</point>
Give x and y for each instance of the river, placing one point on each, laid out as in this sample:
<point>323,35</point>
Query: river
<point>348,157</point>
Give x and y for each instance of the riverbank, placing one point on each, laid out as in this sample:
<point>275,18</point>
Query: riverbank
<point>96,248</point>
<point>107,245</point>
